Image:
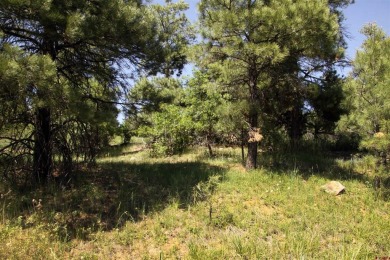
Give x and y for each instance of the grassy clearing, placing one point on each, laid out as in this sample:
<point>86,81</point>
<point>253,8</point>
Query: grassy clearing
<point>194,207</point>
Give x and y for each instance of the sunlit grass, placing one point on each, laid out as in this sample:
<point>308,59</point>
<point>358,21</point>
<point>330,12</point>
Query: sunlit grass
<point>196,207</point>
<point>261,215</point>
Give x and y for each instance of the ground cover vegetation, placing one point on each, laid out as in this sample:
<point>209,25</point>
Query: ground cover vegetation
<point>225,163</point>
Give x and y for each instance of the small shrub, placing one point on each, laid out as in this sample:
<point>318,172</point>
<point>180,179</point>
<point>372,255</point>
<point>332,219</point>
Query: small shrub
<point>204,190</point>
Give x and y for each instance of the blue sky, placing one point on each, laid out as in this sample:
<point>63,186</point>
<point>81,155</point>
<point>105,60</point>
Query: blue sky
<point>361,13</point>
<point>357,15</point>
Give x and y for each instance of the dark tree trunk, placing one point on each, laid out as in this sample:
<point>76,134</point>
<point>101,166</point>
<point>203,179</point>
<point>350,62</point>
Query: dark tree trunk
<point>251,160</point>
<point>42,163</point>
<point>243,145</point>
<point>296,127</point>
<point>211,154</point>
<point>208,144</point>
<point>42,148</point>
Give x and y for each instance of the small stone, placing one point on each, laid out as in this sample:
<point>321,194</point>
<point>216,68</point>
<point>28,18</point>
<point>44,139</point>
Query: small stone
<point>333,187</point>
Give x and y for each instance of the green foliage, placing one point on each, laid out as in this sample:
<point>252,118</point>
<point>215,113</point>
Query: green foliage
<point>23,76</point>
<point>176,34</point>
<point>157,112</point>
<point>150,93</point>
<point>175,116</point>
<point>204,190</point>
<point>262,52</point>
<point>32,83</point>
<point>368,93</point>
<point>235,35</point>
<point>326,104</point>
<point>62,65</point>
<point>171,130</point>
<point>379,144</point>
<point>209,108</point>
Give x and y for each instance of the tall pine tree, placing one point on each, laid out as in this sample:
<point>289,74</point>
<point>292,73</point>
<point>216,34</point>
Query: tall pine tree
<point>368,93</point>
<point>84,46</point>
<point>244,41</point>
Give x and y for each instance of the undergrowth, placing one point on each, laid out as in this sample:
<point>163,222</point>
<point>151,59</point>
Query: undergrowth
<point>195,207</point>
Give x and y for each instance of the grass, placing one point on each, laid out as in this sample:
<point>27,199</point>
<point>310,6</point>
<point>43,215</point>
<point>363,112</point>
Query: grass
<point>195,207</point>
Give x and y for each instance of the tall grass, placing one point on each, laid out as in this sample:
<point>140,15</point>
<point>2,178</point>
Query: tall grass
<point>196,207</point>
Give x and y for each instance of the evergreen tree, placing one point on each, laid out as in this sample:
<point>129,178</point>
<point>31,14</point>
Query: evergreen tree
<point>368,92</point>
<point>176,34</point>
<point>325,100</point>
<point>80,49</point>
<point>151,93</point>
<point>246,40</point>
<point>147,97</point>
<point>204,103</point>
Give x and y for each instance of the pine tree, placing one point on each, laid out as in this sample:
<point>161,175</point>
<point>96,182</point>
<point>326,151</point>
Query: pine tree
<point>84,46</point>
<point>246,40</point>
<point>368,92</point>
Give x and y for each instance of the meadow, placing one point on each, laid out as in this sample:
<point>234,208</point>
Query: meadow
<point>131,206</point>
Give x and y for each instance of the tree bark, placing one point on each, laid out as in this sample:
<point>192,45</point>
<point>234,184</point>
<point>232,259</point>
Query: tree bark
<point>242,145</point>
<point>211,154</point>
<point>42,158</point>
<point>42,148</point>
<point>251,160</point>
<point>296,124</point>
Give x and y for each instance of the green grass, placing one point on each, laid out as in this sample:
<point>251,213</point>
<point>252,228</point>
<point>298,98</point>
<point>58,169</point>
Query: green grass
<point>195,207</point>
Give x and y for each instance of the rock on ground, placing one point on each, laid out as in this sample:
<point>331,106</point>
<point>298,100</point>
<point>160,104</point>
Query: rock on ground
<point>333,187</point>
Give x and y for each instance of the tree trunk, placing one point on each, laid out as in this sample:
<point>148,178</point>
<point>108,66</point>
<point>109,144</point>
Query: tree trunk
<point>296,125</point>
<point>251,160</point>
<point>42,158</point>
<point>242,145</point>
<point>211,154</point>
<point>42,148</point>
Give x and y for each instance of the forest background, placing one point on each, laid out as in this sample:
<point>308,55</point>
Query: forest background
<point>208,135</point>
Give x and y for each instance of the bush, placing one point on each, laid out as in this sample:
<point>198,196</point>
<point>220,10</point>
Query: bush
<point>171,131</point>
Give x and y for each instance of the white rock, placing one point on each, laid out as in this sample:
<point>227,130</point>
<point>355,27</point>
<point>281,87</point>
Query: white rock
<point>333,187</point>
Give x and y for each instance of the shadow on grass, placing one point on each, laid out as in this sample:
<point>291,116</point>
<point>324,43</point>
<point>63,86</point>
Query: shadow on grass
<point>134,190</point>
<point>106,197</point>
<point>326,165</point>
<point>308,164</point>
<point>330,165</point>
